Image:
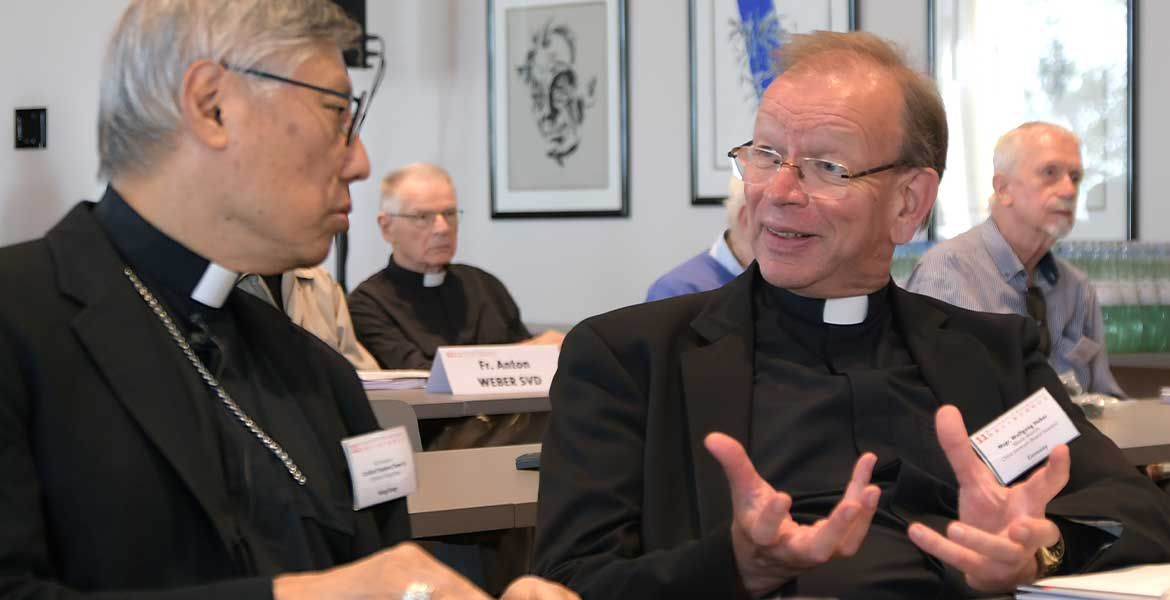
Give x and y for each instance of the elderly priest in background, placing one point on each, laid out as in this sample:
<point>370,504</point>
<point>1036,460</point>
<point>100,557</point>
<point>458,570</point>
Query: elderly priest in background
<point>803,429</point>
<point>163,434</point>
<point>421,301</point>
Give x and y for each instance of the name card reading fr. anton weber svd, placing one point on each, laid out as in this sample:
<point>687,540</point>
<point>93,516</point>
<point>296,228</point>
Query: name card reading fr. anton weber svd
<point>506,369</point>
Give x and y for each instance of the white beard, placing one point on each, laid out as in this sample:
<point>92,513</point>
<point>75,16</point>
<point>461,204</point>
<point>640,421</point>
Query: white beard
<point>1058,231</point>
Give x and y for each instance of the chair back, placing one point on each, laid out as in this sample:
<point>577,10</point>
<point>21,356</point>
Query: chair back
<point>392,413</point>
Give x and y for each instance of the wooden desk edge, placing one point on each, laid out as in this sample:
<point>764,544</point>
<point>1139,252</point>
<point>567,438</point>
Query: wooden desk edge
<point>1145,455</point>
<point>462,520</point>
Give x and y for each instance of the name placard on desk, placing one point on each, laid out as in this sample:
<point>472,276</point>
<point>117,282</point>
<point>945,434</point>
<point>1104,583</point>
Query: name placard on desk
<point>505,369</point>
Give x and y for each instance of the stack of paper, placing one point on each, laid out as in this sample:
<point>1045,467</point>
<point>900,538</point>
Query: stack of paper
<point>394,379</point>
<point>1146,582</point>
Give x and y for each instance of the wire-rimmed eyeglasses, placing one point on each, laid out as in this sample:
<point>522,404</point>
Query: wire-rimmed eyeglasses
<point>357,107</point>
<point>426,219</point>
<point>817,176</point>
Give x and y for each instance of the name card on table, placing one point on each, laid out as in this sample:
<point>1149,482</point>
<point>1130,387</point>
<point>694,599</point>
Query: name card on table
<point>505,369</point>
<point>1023,436</point>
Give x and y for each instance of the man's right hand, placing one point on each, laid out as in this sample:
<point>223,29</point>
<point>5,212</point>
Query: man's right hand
<point>770,547</point>
<point>385,574</point>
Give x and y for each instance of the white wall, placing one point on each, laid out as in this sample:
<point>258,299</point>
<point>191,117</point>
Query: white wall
<point>50,55</point>
<point>433,107</point>
<point>902,21</point>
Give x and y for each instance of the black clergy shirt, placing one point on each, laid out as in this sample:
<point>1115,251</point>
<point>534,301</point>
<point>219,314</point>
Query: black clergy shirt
<point>402,322</point>
<point>280,525</point>
<point>822,395</point>
<point>812,381</point>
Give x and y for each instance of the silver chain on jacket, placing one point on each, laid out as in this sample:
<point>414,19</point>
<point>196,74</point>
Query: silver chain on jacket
<point>210,380</point>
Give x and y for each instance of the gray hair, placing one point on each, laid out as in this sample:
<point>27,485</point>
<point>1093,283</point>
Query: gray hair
<point>155,42</point>
<point>391,200</point>
<point>735,200</point>
<point>1007,149</point>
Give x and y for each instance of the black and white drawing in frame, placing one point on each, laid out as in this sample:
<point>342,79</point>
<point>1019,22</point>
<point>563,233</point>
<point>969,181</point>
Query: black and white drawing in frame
<point>733,48</point>
<point>557,114</point>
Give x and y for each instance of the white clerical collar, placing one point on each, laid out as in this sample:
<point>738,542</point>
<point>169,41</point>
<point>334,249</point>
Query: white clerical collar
<point>723,255</point>
<point>215,285</point>
<point>434,279</point>
<point>846,311</point>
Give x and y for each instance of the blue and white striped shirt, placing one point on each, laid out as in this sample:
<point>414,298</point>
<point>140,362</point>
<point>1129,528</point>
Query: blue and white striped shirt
<point>978,270</point>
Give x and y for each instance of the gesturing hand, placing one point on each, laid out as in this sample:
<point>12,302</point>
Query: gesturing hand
<point>770,548</point>
<point>994,542</point>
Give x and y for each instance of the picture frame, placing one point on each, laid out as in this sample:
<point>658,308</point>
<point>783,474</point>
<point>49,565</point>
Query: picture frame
<point>1074,68</point>
<point>732,44</point>
<point>557,108</point>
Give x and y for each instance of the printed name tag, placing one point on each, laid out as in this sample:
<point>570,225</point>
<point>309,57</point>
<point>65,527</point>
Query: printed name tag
<point>1023,436</point>
<point>504,369</point>
<point>381,466</point>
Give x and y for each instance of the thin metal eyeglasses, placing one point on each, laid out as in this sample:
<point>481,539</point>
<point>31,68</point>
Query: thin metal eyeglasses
<point>427,218</point>
<point>817,176</point>
<point>354,114</point>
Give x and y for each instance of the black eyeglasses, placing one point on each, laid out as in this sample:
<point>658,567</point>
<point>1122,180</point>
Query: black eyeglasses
<point>354,114</point>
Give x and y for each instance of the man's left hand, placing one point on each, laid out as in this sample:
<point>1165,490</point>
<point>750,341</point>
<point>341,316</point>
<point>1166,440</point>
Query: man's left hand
<point>1000,528</point>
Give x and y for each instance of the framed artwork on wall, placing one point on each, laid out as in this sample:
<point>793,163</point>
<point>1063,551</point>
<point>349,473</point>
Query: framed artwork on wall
<point>734,44</point>
<point>1001,63</point>
<point>557,108</point>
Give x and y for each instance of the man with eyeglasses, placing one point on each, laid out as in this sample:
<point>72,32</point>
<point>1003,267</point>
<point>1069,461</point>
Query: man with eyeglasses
<point>421,301</point>
<point>1004,265</point>
<point>163,434</point>
<point>802,430</point>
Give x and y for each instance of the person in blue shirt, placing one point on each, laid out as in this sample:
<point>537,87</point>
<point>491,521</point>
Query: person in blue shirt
<point>723,261</point>
<point>1005,264</point>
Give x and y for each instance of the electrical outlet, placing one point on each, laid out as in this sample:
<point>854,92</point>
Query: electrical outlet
<point>32,126</point>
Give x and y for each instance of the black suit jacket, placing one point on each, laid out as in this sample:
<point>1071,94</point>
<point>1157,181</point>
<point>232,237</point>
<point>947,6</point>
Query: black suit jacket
<point>632,505</point>
<point>105,483</point>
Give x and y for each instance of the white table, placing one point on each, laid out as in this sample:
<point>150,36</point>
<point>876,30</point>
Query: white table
<point>1141,428</point>
<point>439,406</point>
<point>478,489</point>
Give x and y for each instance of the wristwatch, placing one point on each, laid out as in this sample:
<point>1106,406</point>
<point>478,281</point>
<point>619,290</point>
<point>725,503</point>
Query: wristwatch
<point>1048,558</point>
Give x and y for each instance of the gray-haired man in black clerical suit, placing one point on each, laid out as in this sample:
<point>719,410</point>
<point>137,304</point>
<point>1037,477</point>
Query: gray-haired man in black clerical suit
<point>162,434</point>
<point>803,429</point>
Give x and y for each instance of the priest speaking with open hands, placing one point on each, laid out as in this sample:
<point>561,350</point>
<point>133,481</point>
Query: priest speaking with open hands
<point>994,542</point>
<point>803,430</point>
